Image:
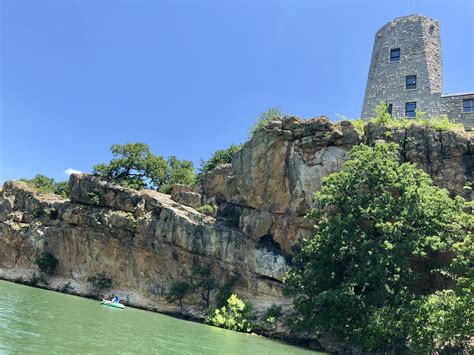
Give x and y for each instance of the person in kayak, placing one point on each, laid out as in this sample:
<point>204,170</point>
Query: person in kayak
<point>115,300</point>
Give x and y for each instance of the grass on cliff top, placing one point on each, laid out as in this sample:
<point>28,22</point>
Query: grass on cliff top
<point>382,117</point>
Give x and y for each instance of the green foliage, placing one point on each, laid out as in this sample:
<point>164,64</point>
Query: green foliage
<point>94,198</point>
<point>136,167</point>
<point>204,283</point>
<point>226,290</point>
<point>386,241</point>
<point>44,184</point>
<point>442,321</point>
<point>272,315</point>
<point>62,189</point>
<point>178,291</point>
<point>440,123</point>
<point>100,282</point>
<point>220,157</point>
<point>272,114</point>
<point>273,312</point>
<point>47,262</point>
<point>235,316</point>
<point>179,172</point>
<point>381,114</point>
<point>359,125</point>
<point>209,210</point>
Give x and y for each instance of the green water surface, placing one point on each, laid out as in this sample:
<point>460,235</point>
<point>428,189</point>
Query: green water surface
<point>38,321</point>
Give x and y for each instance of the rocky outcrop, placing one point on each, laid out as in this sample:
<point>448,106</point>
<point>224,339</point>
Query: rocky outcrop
<point>143,240</point>
<point>146,240</point>
<point>186,196</point>
<point>271,180</point>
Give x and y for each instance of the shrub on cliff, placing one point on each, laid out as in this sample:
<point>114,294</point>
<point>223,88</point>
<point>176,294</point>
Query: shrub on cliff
<point>390,261</point>
<point>100,282</point>
<point>135,166</point>
<point>226,290</point>
<point>223,156</point>
<point>177,292</point>
<point>235,316</point>
<point>209,210</point>
<point>440,123</point>
<point>47,262</point>
<point>272,114</point>
<point>45,184</point>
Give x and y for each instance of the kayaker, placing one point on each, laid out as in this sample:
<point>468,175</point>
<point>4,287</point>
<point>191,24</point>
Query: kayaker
<point>115,300</point>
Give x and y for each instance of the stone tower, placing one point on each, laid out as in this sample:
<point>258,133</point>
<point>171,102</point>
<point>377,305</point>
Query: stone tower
<point>405,69</point>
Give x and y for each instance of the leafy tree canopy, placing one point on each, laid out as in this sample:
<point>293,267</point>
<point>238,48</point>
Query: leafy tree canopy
<point>177,292</point>
<point>223,156</point>
<point>47,262</point>
<point>135,166</point>
<point>204,282</point>
<point>45,184</point>
<point>390,250</point>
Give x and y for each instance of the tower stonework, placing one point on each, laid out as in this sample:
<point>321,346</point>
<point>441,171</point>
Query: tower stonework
<point>406,72</point>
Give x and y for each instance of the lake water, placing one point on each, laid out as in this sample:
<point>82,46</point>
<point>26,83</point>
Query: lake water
<point>40,321</point>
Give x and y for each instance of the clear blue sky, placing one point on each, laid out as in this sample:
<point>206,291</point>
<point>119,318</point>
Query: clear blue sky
<point>187,77</point>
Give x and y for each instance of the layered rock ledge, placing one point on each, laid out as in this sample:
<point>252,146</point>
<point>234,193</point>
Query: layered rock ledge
<point>143,240</point>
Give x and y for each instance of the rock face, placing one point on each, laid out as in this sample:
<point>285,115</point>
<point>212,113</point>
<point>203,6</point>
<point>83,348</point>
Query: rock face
<point>271,181</point>
<point>145,240</point>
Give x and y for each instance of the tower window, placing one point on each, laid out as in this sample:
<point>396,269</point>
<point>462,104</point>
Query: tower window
<point>467,105</point>
<point>394,55</point>
<point>410,82</point>
<point>410,109</point>
<point>390,109</point>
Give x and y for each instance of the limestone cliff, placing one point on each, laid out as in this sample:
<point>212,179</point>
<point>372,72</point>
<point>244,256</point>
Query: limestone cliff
<point>143,240</point>
<point>271,180</point>
<point>146,240</point>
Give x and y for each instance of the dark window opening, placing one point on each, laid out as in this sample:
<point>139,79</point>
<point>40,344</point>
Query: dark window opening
<point>467,105</point>
<point>395,55</point>
<point>410,82</point>
<point>390,109</point>
<point>410,109</point>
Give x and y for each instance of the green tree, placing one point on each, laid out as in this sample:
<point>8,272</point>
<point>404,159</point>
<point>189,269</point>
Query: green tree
<point>386,241</point>
<point>272,114</point>
<point>100,282</point>
<point>226,290</point>
<point>204,283</point>
<point>223,156</point>
<point>178,291</point>
<point>179,172</point>
<point>44,184</point>
<point>135,166</point>
<point>47,262</point>
<point>235,316</point>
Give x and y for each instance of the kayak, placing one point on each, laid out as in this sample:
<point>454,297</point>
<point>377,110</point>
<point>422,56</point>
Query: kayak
<point>112,304</point>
